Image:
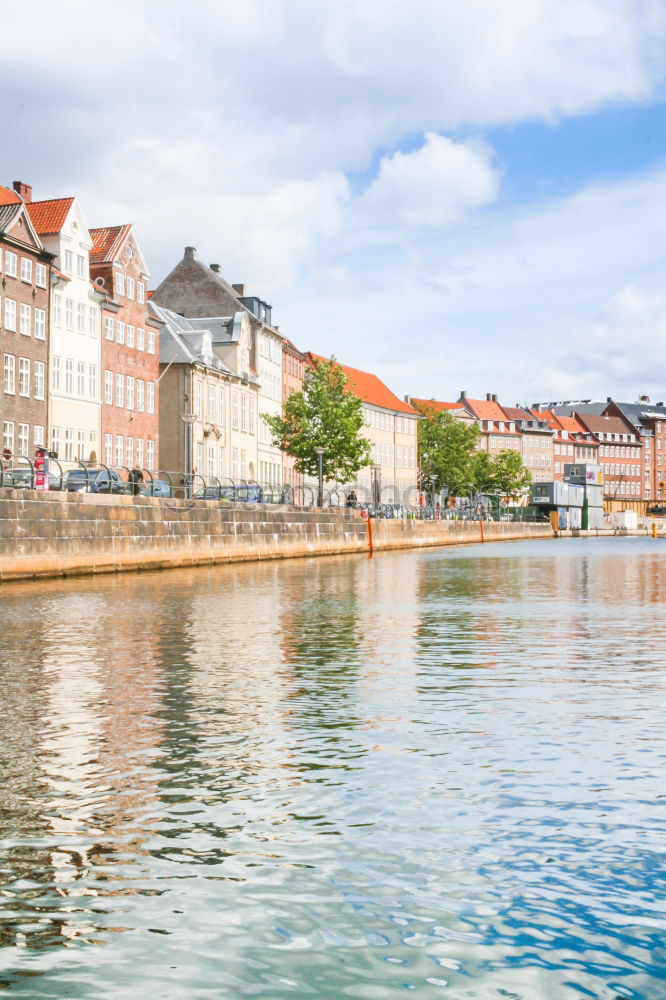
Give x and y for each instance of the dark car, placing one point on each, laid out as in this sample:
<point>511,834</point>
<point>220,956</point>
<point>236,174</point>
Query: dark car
<point>93,481</point>
<point>657,510</point>
<point>235,494</point>
<point>157,488</point>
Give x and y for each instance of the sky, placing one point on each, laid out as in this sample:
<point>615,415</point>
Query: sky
<point>455,196</point>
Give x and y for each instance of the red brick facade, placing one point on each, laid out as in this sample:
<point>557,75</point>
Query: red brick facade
<point>293,368</point>
<point>130,351</point>
<point>25,277</point>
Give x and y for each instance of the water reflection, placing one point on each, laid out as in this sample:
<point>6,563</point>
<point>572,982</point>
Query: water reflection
<point>348,777</point>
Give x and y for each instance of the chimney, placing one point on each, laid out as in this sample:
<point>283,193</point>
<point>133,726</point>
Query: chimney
<point>463,396</point>
<point>190,253</point>
<point>489,397</point>
<point>23,190</point>
<point>609,399</point>
<point>215,267</point>
<point>406,399</point>
<point>494,397</point>
<point>239,288</point>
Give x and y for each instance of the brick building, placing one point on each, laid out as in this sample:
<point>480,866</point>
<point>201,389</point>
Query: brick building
<point>130,350</point>
<point>25,274</point>
<point>498,433</point>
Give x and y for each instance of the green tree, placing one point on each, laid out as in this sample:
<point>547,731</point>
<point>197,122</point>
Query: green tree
<point>324,415</point>
<point>483,478</point>
<point>511,476</point>
<point>447,449</point>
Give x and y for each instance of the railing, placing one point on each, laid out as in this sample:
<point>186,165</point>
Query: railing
<point>21,473</point>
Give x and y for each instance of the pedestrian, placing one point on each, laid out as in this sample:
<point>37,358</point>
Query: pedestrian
<point>136,479</point>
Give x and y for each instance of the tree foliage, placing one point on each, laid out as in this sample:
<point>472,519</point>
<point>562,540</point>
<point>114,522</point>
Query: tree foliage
<point>447,448</point>
<point>324,415</point>
<point>511,478</point>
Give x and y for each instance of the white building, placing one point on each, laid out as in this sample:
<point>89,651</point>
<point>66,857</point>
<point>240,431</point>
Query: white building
<point>75,342</point>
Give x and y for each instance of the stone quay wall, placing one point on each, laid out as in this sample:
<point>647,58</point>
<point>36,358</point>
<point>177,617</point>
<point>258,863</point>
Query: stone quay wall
<point>68,534</point>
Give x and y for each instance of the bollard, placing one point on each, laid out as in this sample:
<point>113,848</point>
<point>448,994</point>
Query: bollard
<point>654,529</point>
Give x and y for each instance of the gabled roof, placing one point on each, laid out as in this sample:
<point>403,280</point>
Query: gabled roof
<point>9,197</point>
<point>572,424</point>
<point>48,217</point>
<point>108,242</point>
<point>548,417</point>
<point>604,425</point>
<point>10,213</point>
<point>435,404</point>
<point>369,388</point>
<point>484,409</point>
<point>179,339</point>
<point>517,413</point>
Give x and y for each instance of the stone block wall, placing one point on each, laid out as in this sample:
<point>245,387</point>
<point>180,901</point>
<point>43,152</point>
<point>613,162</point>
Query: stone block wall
<point>56,534</point>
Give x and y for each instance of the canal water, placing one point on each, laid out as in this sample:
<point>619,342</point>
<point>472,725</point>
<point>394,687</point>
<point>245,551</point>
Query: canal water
<point>432,772</point>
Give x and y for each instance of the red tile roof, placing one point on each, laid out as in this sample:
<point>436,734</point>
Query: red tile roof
<point>574,426</point>
<point>369,388</point>
<point>517,413</point>
<point>484,409</point>
<point>108,242</point>
<point>49,216</point>
<point>8,197</point>
<point>435,404</point>
<point>589,422</point>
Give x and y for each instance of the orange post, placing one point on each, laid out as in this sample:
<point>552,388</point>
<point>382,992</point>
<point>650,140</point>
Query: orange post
<point>481,527</point>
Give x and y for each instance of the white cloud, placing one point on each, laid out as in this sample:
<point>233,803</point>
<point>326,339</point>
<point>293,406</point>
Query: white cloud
<point>433,185</point>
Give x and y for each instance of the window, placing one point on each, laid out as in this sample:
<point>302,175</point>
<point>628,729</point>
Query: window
<point>40,275</point>
<point>69,314</point>
<point>129,452</point>
<point>8,435</point>
<point>210,415</point>
<point>130,336</point>
<point>139,452</point>
<point>24,377</point>
<point>151,342</point>
<point>120,283</point>
<point>140,339</point>
<point>39,379</point>
<point>55,440</point>
<point>108,327</point>
<point>108,449</point>
<point>243,412</point>
<point>234,469</point>
<point>56,366</point>
<point>80,379</point>
<point>120,332</point>
<point>119,450</point>
<point>69,262</point>
<point>38,435</point>
<point>220,406</point>
<point>57,309</point>
<point>130,288</point>
<point>139,395</point>
<point>80,266</point>
<point>40,324</point>
<point>251,416</point>
<point>108,387</point>
<point>140,292</point>
<point>26,270</point>
<point>150,387</point>
<point>130,392</point>
<point>10,374</point>
<point>120,390</point>
<point>92,382</point>
<point>10,314</point>
<point>234,414</point>
<point>25,319</point>
<point>69,444</point>
<point>11,264</point>
<point>81,446</point>
<point>81,317</point>
<point>92,321</point>
<point>69,376</point>
<point>150,454</point>
<point>211,461</point>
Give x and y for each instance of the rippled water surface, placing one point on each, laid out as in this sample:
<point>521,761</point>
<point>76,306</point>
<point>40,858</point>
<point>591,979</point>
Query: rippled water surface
<point>439,772</point>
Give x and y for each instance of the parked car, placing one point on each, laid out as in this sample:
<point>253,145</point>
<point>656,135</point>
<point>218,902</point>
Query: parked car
<point>237,494</point>
<point>157,488</point>
<point>18,479</point>
<point>93,481</point>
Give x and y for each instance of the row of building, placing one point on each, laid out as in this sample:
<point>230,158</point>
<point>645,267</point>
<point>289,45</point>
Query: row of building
<point>99,368</point>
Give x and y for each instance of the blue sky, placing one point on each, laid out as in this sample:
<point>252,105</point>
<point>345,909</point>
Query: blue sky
<point>455,196</point>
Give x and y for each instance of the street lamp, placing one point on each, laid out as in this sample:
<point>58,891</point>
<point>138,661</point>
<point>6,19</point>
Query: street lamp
<point>376,492</point>
<point>320,492</point>
<point>189,419</point>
